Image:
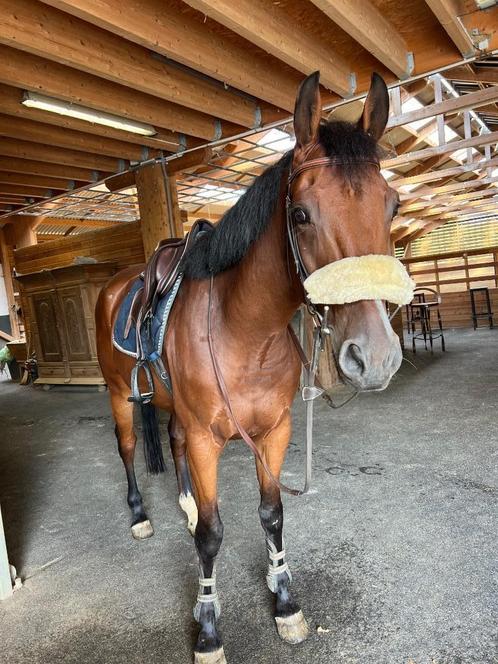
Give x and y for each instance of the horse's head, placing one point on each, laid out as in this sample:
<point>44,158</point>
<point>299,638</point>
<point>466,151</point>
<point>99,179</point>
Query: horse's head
<point>342,207</point>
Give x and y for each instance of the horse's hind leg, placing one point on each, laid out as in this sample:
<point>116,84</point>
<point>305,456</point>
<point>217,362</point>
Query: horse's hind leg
<point>178,449</point>
<point>122,411</point>
<point>291,624</point>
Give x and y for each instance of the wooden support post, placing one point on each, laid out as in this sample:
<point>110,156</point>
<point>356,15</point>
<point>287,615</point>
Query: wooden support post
<point>487,156</point>
<point>438,98</point>
<point>395,95</point>
<point>467,125</point>
<point>5,580</point>
<point>159,212</point>
<point>9,285</point>
<point>24,228</point>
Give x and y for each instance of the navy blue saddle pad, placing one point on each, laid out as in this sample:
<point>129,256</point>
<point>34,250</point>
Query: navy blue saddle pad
<point>128,344</point>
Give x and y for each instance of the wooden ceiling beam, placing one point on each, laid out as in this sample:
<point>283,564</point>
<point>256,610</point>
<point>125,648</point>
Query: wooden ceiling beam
<point>24,190</point>
<point>481,25</point>
<point>421,206</point>
<point>455,204</point>
<point>421,134</point>
<point>10,147</point>
<point>268,25</point>
<point>30,167</point>
<point>447,13</point>
<point>38,132</point>
<point>37,181</point>
<point>363,21</point>
<point>446,189</point>
<point>55,35</point>
<point>452,105</point>
<point>469,74</point>
<point>447,148</point>
<point>30,72</point>
<point>443,173</point>
<point>10,104</point>
<point>12,200</point>
<point>160,27</point>
<point>90,223</point>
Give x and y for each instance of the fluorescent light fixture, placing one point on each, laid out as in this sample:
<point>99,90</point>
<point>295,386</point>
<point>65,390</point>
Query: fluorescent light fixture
<point>43,103</point>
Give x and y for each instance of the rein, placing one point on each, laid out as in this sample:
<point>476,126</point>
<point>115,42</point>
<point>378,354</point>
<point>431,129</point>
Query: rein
<point>312,388</point>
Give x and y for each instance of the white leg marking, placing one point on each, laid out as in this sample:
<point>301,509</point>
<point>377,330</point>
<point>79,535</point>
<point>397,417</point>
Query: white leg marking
<point>293,629</point>
<point>216,657</point>
<point>188,505</point>
<point>142,530</point>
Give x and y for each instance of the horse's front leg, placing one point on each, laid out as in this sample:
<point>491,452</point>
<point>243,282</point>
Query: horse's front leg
<point>203,454</point>
<point>291,624</point>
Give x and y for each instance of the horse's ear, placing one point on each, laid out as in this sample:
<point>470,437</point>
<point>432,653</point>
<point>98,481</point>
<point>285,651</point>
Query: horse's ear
<point>308,110</point>
<point>376,110</point>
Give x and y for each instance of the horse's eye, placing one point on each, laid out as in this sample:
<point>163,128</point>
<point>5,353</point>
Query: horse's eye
<point>299,215</point>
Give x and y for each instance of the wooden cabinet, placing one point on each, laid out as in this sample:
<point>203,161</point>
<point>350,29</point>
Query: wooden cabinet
<point>60,308</point>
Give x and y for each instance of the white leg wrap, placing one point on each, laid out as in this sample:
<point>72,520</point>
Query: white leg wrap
<point>211,598</point>
<point>276,566</point>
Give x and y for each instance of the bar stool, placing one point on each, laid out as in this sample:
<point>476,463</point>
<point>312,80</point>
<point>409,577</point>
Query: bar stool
<point>485,312</point>
<point>426,301</point>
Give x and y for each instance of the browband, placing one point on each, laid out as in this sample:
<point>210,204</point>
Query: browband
<point>324,161</point>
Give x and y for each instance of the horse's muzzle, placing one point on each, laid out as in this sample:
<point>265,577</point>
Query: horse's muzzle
<point>367,369</point>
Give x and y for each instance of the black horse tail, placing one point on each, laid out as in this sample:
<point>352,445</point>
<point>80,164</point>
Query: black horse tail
<point>153,450</point>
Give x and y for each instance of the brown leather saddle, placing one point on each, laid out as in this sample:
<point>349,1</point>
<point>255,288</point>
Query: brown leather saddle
<point>159,276</point>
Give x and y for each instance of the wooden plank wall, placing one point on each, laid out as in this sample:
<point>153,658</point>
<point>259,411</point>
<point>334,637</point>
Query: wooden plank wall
<point>452,274</point>
<point>121,244</point>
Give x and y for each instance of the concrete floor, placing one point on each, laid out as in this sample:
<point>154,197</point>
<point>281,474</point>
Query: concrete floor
<point>394,556</point>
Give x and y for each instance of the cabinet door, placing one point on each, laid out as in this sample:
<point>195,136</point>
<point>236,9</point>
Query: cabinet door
<point>76,333</point>
<point>44,305</point>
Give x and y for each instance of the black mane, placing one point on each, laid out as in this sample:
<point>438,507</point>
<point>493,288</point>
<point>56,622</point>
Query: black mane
<point>245,222</point>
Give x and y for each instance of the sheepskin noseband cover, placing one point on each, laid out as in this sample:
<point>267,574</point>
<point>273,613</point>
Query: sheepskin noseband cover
<point>373,277</point>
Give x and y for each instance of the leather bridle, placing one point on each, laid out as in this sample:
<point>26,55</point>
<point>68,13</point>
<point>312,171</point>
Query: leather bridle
<point>306,165</point>
<point>312,387</point>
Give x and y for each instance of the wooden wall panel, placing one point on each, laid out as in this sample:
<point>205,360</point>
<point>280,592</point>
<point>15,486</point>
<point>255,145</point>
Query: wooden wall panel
<point>456,310</point>
<point>121,244</point>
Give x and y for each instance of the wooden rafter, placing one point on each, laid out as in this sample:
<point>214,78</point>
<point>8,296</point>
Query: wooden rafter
<point>453,105</point>
<point>7,177</point>
<point>10,104</point>
<point>424,191</point>
<point>447,12</point>
<point>30,72</point>
<point>10,147</point>
<point>268,26</point>
<point>53,170</point>
<point>38,132</point>
<point>444,173</point>
<point>364,22</point>
<point>52,34</point>
<point>453,146</point>
<point>159,27</point>
<point>24,190</point>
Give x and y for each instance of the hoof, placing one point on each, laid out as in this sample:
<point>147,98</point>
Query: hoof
<point>188,505</point>
<point>294,628</point>
<point>142,530</point>
<point>215,657</point>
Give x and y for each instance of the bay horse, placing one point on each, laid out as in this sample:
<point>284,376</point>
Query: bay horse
<point>341,207</point>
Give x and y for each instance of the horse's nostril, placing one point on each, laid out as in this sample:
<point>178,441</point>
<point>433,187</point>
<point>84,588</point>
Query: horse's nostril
<point>352,360</point>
